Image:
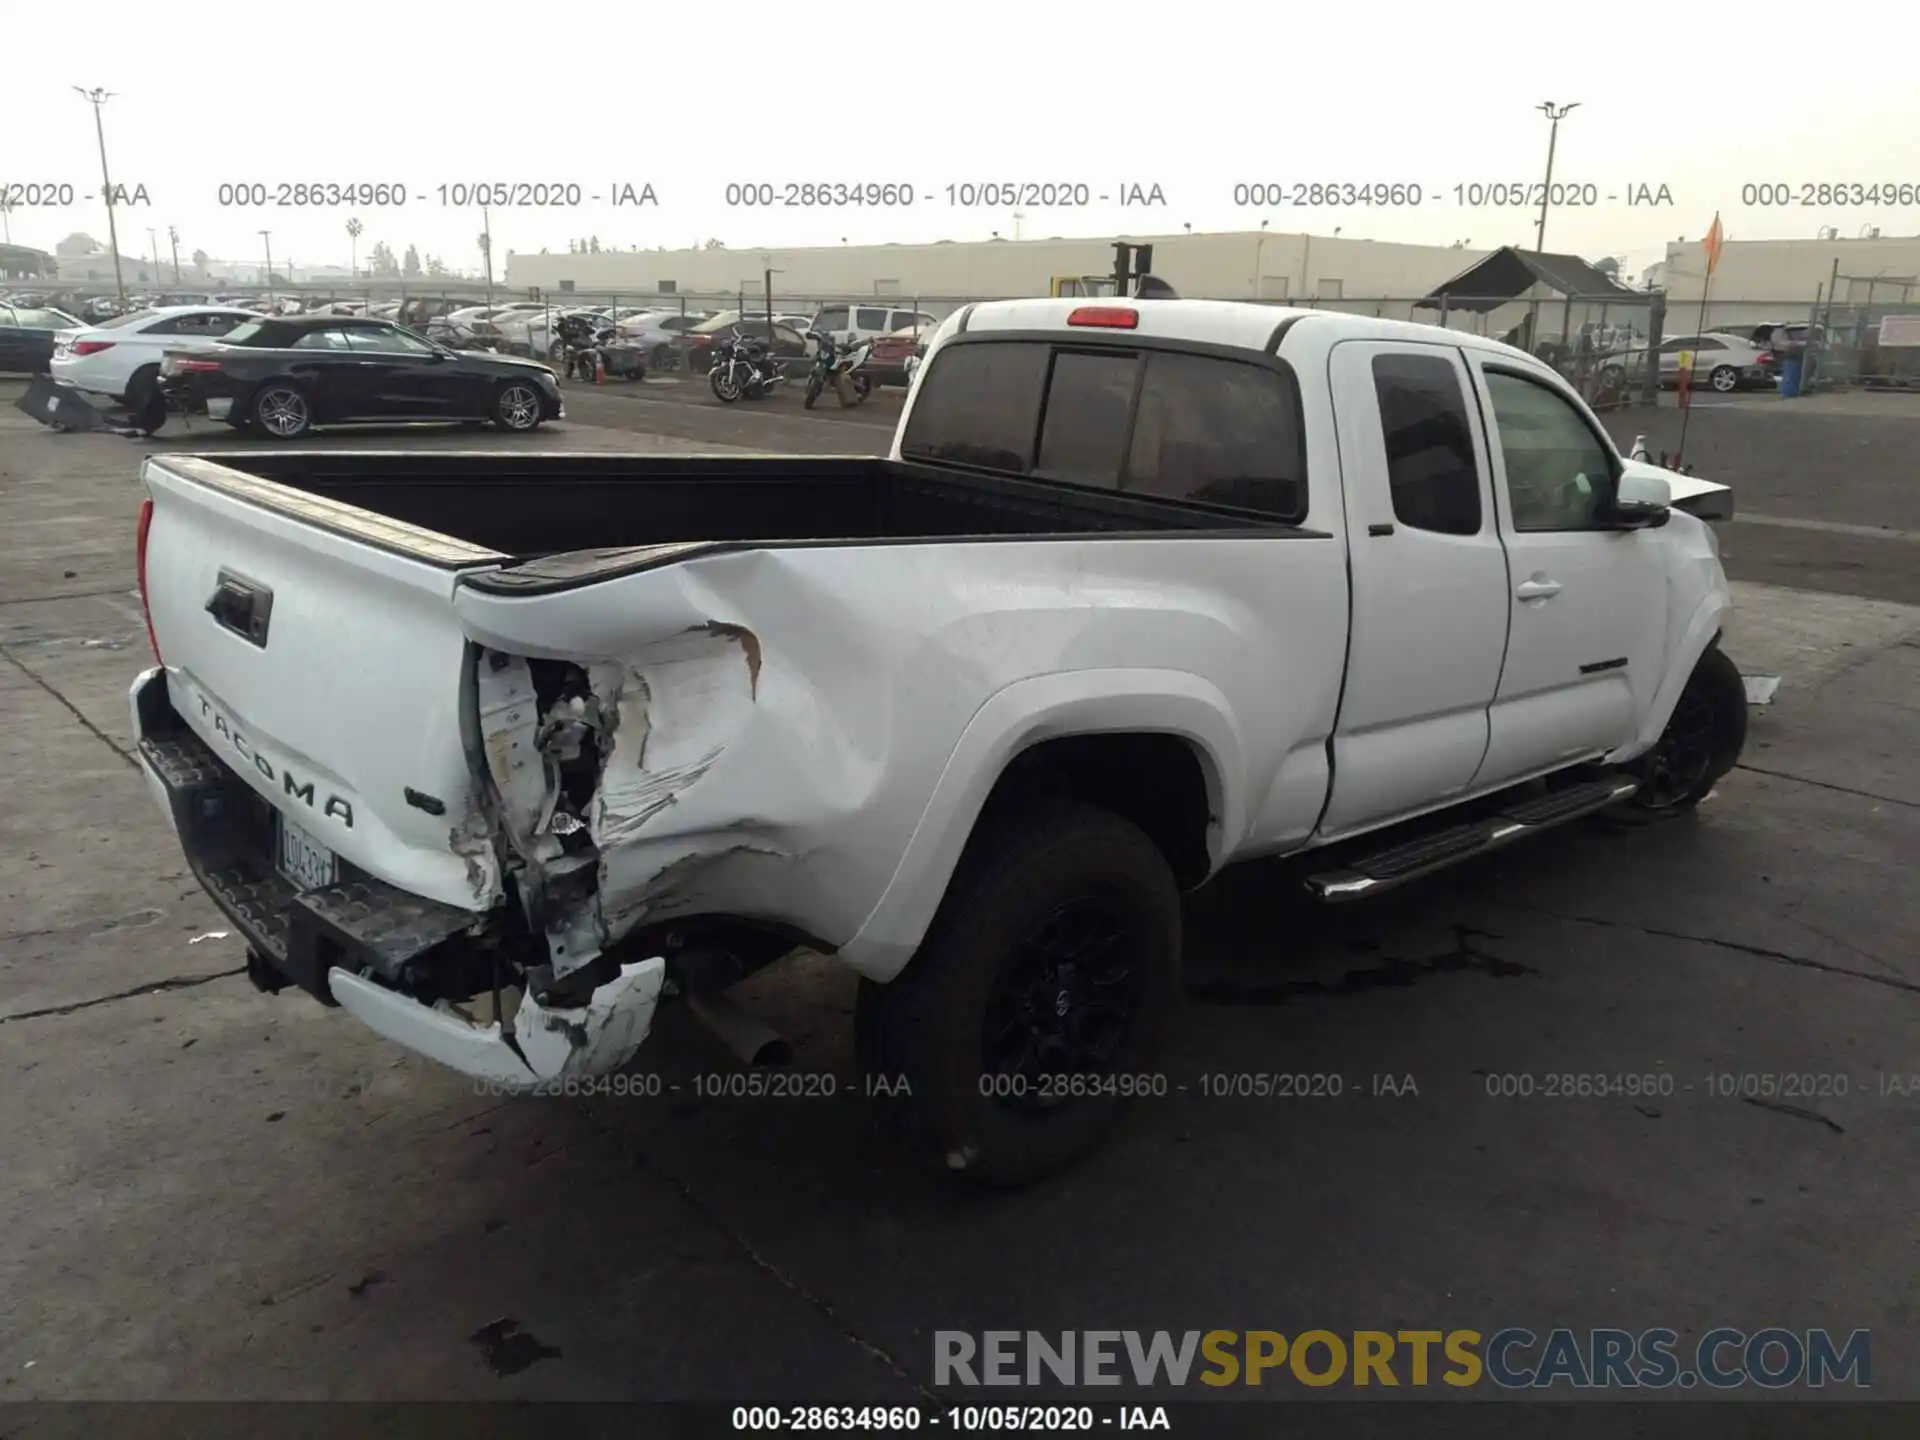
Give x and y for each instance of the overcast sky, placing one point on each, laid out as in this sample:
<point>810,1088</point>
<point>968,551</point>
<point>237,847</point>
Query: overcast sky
<point>1700,98</point>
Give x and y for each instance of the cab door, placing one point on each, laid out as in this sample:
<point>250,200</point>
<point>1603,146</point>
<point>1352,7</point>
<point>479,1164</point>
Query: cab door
<point>1428,579</point>
<point>1587,641</point>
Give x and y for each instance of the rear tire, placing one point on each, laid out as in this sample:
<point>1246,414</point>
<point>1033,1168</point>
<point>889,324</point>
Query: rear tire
<point>1724,379</point>
<point>280,411</point>
<point>143,400</point>
<point>1056,953</point>
<point>1702,741</point>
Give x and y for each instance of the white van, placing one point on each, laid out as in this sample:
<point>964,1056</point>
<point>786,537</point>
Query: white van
<point>850,323</point>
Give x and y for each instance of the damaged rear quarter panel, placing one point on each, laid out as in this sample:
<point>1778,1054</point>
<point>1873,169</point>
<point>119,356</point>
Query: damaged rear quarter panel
<point>784,716</point>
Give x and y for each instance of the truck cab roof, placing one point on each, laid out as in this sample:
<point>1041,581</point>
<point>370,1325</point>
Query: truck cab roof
<point>1234,323</point>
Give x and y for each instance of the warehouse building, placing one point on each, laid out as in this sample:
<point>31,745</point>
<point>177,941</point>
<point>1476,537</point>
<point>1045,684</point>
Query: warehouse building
<point>1246,265</point>
<point>1761,280</point>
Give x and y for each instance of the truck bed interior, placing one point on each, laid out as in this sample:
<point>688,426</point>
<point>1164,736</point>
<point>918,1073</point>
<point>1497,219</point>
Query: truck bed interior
<point>534,505</point>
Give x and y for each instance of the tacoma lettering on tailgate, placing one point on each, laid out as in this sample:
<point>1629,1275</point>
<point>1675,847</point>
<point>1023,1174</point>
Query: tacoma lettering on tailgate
<point>334,807</point>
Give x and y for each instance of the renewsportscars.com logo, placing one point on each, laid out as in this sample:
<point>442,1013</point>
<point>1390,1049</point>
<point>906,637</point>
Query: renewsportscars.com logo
<point>1513,1359</point>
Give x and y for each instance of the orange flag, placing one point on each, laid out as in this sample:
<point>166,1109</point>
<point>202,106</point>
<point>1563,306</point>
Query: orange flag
<point>1715,240</point>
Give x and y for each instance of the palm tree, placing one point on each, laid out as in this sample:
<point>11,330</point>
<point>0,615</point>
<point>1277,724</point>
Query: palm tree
<point>354,228</point>
<point>6,225</point>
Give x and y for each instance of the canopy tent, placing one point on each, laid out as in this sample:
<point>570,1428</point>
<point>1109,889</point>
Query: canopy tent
<point>1509,274</point>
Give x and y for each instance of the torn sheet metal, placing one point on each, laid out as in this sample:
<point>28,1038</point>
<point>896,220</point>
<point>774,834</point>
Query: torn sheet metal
<point>1760,688</point>
<point>553,1045</point>
<point>594,765</point>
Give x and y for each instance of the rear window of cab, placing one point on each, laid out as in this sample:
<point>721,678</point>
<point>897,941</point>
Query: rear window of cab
<point>1166,424</point>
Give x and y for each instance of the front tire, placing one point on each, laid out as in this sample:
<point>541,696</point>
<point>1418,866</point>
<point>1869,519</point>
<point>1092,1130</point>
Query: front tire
<point>815,384</point>
<point>1046,981</point>
<point>516,407</point>
<point>1702,741</point>
<point>281,412</point>
<point>726,387</point>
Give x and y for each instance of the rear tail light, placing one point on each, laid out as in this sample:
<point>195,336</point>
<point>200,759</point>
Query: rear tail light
<point>198,367</point>
<point>140,566</point>
<point>1106,317</point>
<point>91,347</point>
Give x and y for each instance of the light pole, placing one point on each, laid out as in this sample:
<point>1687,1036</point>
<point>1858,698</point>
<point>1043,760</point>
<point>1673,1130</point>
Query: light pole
<point>1555,113</point>
<point>486,249</point>
<point>173,239</point>
<point>153,252</point>
<point>267,236</point>
<point>97,98</point>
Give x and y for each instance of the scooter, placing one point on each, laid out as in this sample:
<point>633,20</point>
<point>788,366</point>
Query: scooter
<point>840,369</point>
<point>744,370</point>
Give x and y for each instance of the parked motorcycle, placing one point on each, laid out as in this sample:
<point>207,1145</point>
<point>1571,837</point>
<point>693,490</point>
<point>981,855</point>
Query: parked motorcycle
<point>842,369</point>
<point>582,350</point>
<point>744,370</point>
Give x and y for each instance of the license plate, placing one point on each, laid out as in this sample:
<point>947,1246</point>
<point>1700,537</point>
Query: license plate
<point>304,860</point>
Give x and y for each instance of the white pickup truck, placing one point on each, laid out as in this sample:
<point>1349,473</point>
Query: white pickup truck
<point>499,751</point>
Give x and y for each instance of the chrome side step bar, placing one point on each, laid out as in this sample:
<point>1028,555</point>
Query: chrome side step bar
<point>1424,854</point>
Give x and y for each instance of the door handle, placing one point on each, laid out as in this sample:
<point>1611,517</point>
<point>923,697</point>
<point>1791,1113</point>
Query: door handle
<point>1538,588</point>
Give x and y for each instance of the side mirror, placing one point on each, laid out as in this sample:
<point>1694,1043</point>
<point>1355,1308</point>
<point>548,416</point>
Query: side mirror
<point>1641,502</point>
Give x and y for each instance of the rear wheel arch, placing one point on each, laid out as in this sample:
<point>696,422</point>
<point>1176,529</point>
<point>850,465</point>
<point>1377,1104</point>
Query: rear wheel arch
<point>1157,780</point>
<point>1058,736</point>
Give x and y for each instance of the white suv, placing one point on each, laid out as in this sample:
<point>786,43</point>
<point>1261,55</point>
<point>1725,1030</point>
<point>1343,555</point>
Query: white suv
<point>849,324</point>
<point>120,358</point>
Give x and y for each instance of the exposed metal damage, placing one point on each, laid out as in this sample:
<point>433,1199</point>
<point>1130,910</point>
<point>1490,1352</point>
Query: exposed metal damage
<point>524,1045</point>
<point>589,762</point>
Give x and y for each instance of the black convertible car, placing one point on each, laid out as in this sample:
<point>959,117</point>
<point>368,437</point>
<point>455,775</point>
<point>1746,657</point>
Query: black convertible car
<point>284,375</point>
<point>26,336</point>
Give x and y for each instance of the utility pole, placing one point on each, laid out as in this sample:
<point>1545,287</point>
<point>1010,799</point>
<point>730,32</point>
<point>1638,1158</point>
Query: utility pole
<point>98,98</point>
<point>173,239</point>
<point>153,252</point>
<point>267,235</point>
<point>1555,113</point>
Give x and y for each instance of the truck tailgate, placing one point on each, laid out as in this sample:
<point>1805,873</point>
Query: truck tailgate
<point>315,648</point>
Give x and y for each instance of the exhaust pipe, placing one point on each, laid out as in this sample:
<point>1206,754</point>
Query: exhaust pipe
<point>747,1036</point>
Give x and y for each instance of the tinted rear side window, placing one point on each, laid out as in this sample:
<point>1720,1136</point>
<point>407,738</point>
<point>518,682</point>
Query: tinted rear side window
<point>1219,432</point>
<point>979,405</point>
<point>1084,437</point>
<point>1430,461</point>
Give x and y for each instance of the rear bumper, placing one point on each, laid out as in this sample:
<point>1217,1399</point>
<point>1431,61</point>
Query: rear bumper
<point>362,944</point>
